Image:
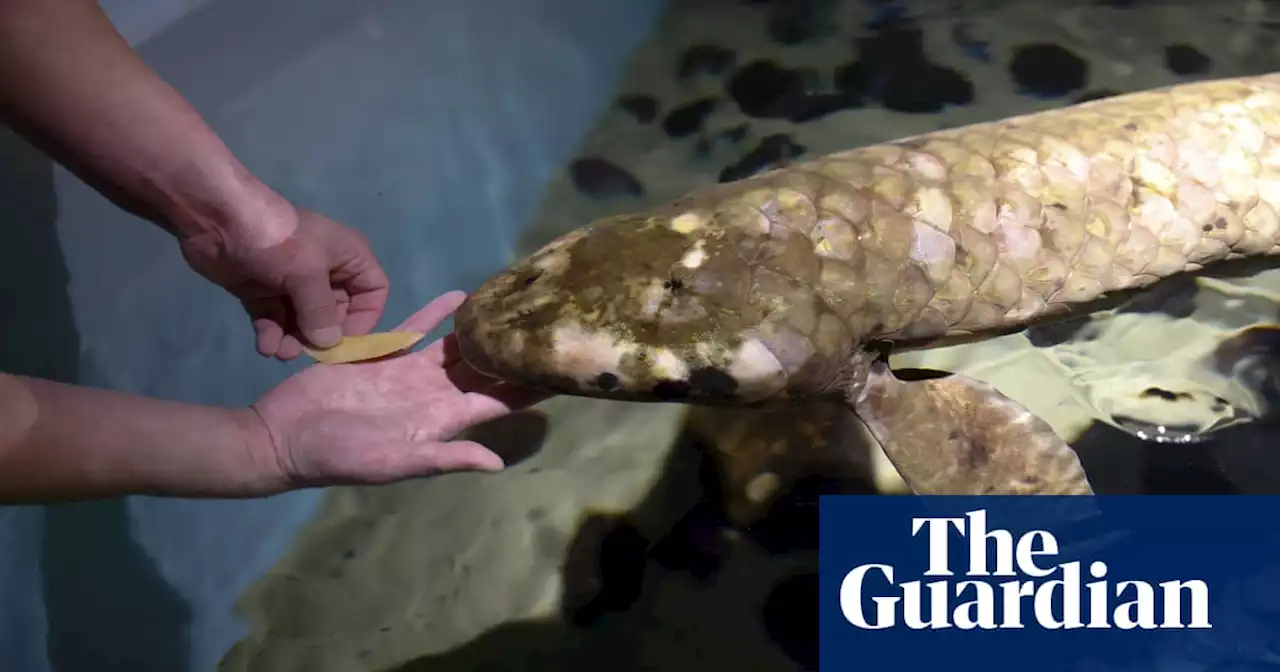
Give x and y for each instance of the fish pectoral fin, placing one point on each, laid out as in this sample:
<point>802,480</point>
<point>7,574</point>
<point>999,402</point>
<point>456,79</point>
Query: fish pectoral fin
<point>949,434</point>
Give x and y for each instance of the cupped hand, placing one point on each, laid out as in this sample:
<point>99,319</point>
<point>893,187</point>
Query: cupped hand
<point>391,419</point>
<point>300,275</point>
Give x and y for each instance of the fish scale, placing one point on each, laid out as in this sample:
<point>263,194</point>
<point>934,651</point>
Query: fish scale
<point>772,288</point>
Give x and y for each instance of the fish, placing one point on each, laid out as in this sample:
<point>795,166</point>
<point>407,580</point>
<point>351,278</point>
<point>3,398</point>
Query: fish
<point>791,287</point>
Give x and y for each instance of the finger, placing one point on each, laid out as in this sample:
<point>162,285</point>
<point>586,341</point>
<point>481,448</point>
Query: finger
<point>368,294</point>
<point>315,308</point>
<point>290,348</point>
<point>479,408</point>
<point>361,276</point>
<point>267,319</point>
<point>269,334</point>
<point>432,314</point>
<point>363,313</point>
<point>448,457</point>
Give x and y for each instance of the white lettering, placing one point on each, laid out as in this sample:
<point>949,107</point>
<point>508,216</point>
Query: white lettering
<point>1056,603</point>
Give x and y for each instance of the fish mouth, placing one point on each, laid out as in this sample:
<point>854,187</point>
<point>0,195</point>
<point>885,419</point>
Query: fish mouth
<point>598,359</point>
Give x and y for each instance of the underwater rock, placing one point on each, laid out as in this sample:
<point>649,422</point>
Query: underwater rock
<point>687,119</point>
<point>1184,59</point>
<point>893,68</point>
<point>770,153</point>
<point>599,178</point>
<point>1046,70</point>
<point>641,106</point>
<point>710,59</point>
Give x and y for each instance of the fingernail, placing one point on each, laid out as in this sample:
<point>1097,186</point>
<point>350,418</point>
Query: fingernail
<point>326,337</point>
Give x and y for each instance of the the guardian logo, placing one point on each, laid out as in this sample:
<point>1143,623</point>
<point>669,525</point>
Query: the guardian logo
<point>982,603</point>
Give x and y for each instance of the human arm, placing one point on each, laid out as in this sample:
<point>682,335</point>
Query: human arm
<point>62,442</point>
<point>72,86</point>
<point>373,422</point>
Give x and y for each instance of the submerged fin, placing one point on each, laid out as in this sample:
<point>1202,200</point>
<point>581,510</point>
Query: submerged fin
<point>760,454</point>
<point>950,434</point>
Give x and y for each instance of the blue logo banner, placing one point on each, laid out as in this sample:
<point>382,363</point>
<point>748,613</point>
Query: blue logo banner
<point>1039,584</point>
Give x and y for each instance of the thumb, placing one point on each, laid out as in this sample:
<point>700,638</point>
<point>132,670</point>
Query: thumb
<point>315,307</point>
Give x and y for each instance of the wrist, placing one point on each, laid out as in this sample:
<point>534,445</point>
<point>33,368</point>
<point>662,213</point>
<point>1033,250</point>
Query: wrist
<point>230,203</point>
<point>263,472</point>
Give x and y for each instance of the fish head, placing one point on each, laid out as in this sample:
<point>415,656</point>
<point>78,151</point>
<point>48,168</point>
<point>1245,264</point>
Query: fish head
<point>677,305</point>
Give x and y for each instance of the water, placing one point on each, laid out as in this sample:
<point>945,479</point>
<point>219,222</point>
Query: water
<point>447,128</point>
<point>611,546</point>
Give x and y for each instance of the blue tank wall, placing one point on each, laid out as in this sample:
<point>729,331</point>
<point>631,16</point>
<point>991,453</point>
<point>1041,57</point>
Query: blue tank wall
<point>432,126</point>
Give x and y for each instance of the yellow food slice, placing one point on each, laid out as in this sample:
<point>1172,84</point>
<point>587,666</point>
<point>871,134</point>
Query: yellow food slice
<point>361,348</point>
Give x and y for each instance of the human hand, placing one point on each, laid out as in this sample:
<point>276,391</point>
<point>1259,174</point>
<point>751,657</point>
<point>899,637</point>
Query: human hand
<point>299,275</point>
<point>387,420</point>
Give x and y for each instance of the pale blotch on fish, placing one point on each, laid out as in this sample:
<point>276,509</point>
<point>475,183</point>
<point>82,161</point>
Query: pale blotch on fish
<point>668,366</point>
<point>689,222</point>
<point>585,355</point>
<point>651,298</point>
<point>695,256</point>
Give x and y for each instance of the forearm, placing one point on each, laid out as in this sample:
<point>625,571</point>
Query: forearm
<point>72,85</point>
<point>61,442</point>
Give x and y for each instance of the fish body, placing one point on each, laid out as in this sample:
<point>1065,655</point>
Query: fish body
<point>791,284</point>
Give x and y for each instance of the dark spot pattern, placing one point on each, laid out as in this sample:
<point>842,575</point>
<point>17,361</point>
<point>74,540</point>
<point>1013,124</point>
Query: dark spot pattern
<point>620,568</point>
<point>1095,94</point>
<point>671,390</point>
<point>688,119</point>
<point>707,59</point>
<point>712,382</point>
<point>607,382</point>
<point>893,68</point>
<point>1045,70</point>
<point>600,178</point>
<point>790,617</point>
<point>765,90</point>
<point>1161,393</point>
<point>772,151</point>
<point>1057,333</point>
<point>793,22</point>
<point>1185,60</point>
<point>641,106</point>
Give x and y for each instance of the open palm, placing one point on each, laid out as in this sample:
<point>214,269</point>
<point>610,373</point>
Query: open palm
<point>390,419</point>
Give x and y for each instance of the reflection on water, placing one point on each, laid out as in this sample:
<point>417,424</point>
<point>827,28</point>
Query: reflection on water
<point>651,537</point>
